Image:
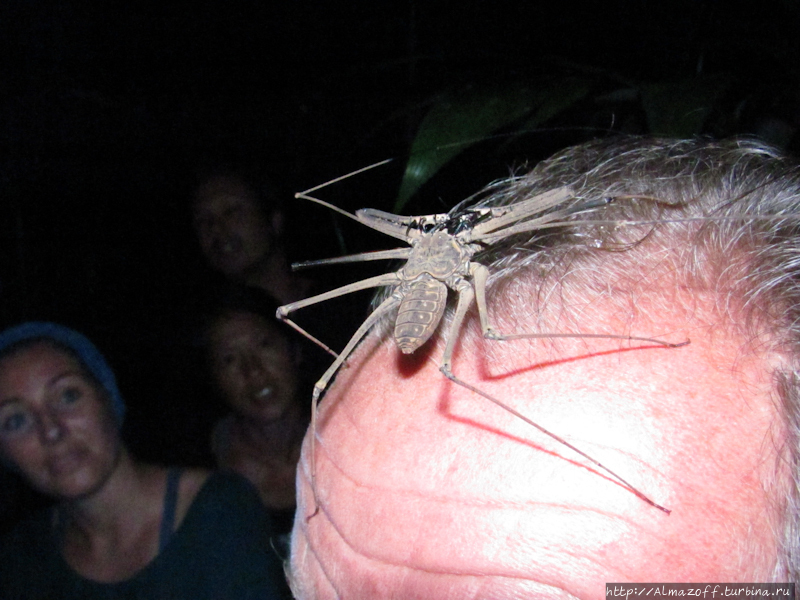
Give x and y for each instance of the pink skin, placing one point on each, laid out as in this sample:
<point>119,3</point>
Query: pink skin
<point>428,491</point>
<point>55,425</point>
<point>234,235</point>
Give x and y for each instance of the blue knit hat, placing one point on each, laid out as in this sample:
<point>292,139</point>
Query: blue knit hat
<point>89,355</point>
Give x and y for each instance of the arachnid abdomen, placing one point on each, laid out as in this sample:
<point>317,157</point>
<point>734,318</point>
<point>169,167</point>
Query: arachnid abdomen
<point>424,299</point>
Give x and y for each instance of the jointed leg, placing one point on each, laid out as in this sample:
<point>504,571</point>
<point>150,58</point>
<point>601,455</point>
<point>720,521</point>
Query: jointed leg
<point>386,306</point>
<point>283,311</point>
<point>479,276</point>
<point>449,374</point>
<point>466,294</point>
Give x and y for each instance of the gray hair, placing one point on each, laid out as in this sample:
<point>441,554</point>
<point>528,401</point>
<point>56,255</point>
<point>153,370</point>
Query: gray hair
<point>724,216</point>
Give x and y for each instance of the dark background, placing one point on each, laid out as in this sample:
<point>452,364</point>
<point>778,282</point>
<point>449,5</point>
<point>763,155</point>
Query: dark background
<point>110,109</point>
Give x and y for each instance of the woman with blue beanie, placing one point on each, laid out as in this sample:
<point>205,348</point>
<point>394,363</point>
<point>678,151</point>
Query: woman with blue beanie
<point>118,528</point>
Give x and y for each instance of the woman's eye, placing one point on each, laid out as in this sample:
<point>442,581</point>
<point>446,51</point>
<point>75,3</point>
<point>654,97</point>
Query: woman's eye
<point>14,422</point>
<point>266,342</point>
<point>70,395</point>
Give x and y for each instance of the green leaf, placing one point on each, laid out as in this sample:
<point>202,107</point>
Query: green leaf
<point>463,119</point>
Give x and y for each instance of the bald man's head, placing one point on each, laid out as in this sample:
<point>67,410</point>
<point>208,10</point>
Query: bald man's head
<point>427,490</point>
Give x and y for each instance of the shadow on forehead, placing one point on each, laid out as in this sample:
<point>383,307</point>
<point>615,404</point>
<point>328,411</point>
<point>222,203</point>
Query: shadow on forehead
<point>673,225</point>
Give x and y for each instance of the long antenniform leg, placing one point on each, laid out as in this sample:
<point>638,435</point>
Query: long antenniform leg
<point>467,294</point>
<point>386,306</point>
<point>284,311</point>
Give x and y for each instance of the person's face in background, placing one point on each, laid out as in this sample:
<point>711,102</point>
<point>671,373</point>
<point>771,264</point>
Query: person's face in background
<point>234,234</point>
<point>254,365</point>
<point>56,426</point>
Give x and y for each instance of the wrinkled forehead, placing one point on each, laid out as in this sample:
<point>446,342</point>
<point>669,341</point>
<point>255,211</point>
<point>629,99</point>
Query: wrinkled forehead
<point>416,476</point>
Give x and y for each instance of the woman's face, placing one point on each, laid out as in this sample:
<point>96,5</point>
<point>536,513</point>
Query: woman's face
<point>233,233</point>
<point>56,425</point>
<point>253,366</point>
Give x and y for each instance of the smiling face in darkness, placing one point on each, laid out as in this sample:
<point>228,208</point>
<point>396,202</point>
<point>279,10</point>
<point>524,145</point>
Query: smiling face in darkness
<point>56,425</point>
<point>254,365</point>
<point>234,234</point>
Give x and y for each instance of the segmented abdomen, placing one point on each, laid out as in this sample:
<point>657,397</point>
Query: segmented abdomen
<point>424,299</point>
